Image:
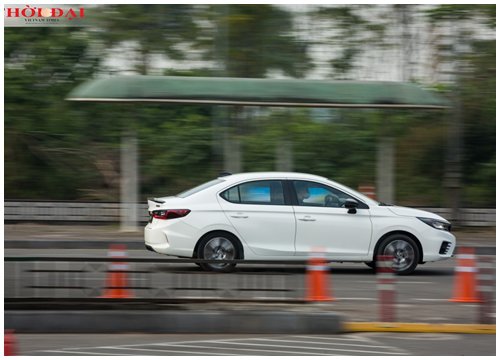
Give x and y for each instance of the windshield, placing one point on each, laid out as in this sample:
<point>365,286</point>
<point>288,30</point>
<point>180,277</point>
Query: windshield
<point>199,188</point>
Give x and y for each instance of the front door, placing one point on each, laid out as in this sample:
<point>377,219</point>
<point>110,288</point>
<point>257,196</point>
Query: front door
<point>324,224</point>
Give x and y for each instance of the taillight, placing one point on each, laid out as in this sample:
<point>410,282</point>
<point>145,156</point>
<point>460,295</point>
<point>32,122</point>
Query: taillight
<point>169,214</point>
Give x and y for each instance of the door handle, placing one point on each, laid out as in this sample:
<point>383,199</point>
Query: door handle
<point>239,216</point>
<point>307,219</point>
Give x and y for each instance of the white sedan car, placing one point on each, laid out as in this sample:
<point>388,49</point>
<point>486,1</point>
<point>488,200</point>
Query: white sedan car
<point>285,216</point>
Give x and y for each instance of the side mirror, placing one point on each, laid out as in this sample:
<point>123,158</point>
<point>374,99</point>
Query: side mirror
<point>351,204</point>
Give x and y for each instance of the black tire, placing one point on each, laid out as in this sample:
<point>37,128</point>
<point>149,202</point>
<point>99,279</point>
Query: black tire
<point>404,250</point>
<point>370,264</point>
<point>219,246</point>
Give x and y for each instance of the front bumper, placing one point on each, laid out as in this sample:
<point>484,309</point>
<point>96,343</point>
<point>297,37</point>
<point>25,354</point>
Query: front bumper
<point>433,251</point>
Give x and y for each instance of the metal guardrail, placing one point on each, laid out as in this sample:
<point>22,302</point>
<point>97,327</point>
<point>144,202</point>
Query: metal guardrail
<point>110,212</point>
<point>77,277</point>
<point>67,211</point>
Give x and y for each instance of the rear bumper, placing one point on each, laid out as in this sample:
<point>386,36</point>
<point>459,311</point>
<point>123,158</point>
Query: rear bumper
<point>156,239</point>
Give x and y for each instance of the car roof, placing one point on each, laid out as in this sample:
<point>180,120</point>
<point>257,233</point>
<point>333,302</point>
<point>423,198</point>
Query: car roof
<point>271,174</point>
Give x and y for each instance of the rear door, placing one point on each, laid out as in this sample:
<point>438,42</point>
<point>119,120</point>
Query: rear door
<point>262,217</point>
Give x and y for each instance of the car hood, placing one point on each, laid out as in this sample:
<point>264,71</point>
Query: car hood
<point>405,211</point>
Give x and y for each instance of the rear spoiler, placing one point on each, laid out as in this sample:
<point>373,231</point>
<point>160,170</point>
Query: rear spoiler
<point>154,203</point>
<point>157,201</point>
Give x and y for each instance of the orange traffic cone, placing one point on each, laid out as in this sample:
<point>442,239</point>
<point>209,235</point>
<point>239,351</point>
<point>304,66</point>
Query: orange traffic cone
<point>9,343</point>
<point>465,277</point>
<point>116,283</point>
<point>317,279</point>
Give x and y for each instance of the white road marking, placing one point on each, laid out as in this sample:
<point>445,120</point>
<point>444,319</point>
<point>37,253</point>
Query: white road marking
<point>324,343</point>
<point>166,350</point>
<point>348,337</point>
<point>245,349</point>
<point>317,348</point>
<point>156,343</point>
<point>199,341</point>
<point>357,337</point>
<point>250,343</point>
<point>367,337</point>
<point>363,337</point>
<point>82,352</point>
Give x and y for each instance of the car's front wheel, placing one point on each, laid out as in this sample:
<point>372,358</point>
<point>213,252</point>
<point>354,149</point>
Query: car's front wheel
<point>404,252</point>
<point>370,264</point>
<point>218,246</point>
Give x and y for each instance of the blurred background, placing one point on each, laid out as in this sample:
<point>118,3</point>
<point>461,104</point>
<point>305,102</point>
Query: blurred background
<point>60,150</point>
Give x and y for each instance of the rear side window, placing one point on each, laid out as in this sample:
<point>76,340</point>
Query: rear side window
<point>266,192</point>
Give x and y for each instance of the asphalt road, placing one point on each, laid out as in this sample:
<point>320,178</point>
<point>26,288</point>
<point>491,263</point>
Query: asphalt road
<point>356,344</point>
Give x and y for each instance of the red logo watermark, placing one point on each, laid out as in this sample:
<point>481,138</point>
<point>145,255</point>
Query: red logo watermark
<point>44,14</point>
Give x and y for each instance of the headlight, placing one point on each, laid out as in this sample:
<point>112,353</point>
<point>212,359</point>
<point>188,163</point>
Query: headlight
<point>436,224</point>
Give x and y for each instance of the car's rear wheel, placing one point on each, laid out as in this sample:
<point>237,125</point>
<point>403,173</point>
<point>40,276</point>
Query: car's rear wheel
<point>218,246</point>
<point>404,252</point>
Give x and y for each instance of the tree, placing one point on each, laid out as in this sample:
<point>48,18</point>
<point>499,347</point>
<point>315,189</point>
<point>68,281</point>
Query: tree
<point>42,131</point>
<point>150,30</point>
<point>252,40</point>
<point>354,30</point>
<point>470,128</point>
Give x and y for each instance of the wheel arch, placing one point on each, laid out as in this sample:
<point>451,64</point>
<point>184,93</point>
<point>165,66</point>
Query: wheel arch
<point>413,237</point>
<point>241,253</point>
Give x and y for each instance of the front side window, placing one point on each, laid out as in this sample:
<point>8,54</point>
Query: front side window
<point>310,193</point>
<point>267,192</point>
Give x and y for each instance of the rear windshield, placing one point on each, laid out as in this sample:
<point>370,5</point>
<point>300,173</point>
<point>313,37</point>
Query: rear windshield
<point>199,188</point>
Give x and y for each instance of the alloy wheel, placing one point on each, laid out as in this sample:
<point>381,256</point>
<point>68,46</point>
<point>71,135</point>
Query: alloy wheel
<point>403,254</point>
<point>219,248</point>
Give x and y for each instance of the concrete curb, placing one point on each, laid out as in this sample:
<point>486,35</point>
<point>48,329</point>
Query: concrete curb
<point>200,322</point>
<point>419,327</point>
<point>215,322</point>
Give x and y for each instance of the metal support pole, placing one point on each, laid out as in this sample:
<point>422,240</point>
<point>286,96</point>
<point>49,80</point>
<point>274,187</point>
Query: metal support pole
<point>232,153</point>
<point>385,170</point>
<point>284,156</point>
<point>129,188</point>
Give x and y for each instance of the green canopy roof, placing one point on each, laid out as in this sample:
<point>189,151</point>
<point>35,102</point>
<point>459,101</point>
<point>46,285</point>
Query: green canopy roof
<point>262,92</point>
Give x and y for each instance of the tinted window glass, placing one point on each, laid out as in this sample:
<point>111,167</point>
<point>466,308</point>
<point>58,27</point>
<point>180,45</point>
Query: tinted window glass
<point>256,192</point>
<point>232,195</point>
<point>313,194</point>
